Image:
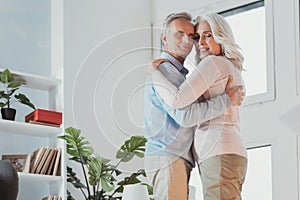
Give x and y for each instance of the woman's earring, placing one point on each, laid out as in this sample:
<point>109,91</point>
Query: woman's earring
<point>226,53</point>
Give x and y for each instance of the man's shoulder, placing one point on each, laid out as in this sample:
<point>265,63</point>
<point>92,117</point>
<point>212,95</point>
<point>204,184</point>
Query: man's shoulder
<point>160,61</point>
<point>164,66</point>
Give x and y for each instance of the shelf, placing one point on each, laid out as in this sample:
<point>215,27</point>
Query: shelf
<point>36,81</point>
<point>38,178</point>
<point>23,128</point>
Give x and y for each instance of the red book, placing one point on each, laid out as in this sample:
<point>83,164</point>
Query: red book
<point>46,116</point>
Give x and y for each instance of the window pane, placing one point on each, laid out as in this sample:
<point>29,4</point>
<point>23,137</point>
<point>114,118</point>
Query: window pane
<point>297,8</point>
<point>258,184</point>
<point>249,30</point>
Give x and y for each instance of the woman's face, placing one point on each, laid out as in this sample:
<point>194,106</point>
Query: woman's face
<point>206,44</point>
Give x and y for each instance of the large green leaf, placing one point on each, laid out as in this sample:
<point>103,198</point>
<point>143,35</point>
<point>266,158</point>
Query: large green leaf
<point>77,146</point>
<point>6,76</point>
<point>4,95</point>
<point>100,172</point>
<point>107,178</point>
<point>95,169</point>
<point>132,179</point>
<point>24,100</point>
<point>135,146</point>
<point>106,182</point>
<point>15,84</point>
<point>2,105</point>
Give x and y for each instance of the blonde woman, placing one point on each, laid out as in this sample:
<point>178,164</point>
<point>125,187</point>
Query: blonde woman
<point>218,148</point>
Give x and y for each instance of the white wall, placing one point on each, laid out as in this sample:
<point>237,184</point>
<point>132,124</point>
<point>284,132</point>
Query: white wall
<point>25,36</point>
<point>26,45</point>
<point>97,33</point>
<point>99,77</point>
<point>106,47</point>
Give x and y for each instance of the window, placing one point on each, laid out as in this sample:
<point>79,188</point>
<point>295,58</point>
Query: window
<point>297,10</point>
<point>252,40</point>
<point>258,183</point>
<point>254,35</point>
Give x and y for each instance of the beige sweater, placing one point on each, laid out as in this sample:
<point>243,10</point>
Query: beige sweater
<point>219,135</point>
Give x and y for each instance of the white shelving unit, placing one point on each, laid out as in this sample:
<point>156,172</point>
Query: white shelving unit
<point>38,179</point>
<point>22,128</point>
<point>24,138</point>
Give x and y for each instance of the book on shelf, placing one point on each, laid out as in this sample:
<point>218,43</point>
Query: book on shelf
<point>46,160</point>
<point>36,158</point>
<point>44,123</point>
<point>52,198</point>
<point>50,168</point>
<point>47,198</point>
<point>57,163</point>
<point>43,161</point>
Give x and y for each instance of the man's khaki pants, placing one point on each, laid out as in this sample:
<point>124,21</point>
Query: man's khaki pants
<point>169,176</point>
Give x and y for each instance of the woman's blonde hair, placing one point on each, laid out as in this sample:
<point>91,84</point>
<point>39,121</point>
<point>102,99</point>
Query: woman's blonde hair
<point>223,35</point>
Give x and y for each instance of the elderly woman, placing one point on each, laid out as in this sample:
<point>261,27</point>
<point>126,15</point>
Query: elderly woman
<point>218,148</point>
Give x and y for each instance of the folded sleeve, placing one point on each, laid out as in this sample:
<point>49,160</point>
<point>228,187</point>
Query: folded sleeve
<point>193,87</point>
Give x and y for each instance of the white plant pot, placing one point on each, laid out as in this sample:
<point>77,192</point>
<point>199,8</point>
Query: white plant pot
<point>135,192</point>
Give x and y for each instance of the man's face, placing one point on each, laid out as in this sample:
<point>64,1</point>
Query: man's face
<point>178,39</point>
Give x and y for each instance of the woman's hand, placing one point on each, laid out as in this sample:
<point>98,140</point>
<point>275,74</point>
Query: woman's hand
<point>154,65</point>
<point>235,94</point>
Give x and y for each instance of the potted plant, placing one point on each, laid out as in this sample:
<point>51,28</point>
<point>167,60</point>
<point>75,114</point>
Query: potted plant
<point>100,177</point>
<point>8,95</point>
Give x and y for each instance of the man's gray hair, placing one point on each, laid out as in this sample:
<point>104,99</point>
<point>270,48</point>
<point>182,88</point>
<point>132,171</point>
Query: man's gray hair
<point>173,16</point>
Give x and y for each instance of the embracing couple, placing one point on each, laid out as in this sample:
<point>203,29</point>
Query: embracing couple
<point>195,120</point>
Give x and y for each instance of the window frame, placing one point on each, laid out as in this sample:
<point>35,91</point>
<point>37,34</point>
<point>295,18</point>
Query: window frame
<point>256,147</point>
<point>270,94</point>
<point>297,49</point>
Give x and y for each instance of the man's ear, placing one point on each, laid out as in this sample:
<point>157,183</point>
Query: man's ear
<point>163,38</point>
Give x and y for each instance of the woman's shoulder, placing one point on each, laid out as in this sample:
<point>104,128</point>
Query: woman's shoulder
<point>216,58</point>
<point>219,61</point>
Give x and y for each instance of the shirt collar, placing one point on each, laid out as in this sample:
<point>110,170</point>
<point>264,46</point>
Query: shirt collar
<point>175,62</point>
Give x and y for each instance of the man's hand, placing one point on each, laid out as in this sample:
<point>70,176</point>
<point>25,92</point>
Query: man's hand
<point>235,94</point>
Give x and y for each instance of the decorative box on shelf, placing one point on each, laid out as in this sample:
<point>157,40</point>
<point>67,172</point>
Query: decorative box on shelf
<point>44,117</point>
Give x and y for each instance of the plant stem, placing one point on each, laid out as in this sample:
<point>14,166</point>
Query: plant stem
<point>117,165</point>
<point>114,192</point>
<point>98,195</point>
<point>83,193</point>
<point>8,99</point>
<point>84,173</point>
<point>94,191</point>
<point>101,193</point>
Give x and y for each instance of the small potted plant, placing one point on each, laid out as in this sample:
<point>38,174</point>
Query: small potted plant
<point>8,95</point>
